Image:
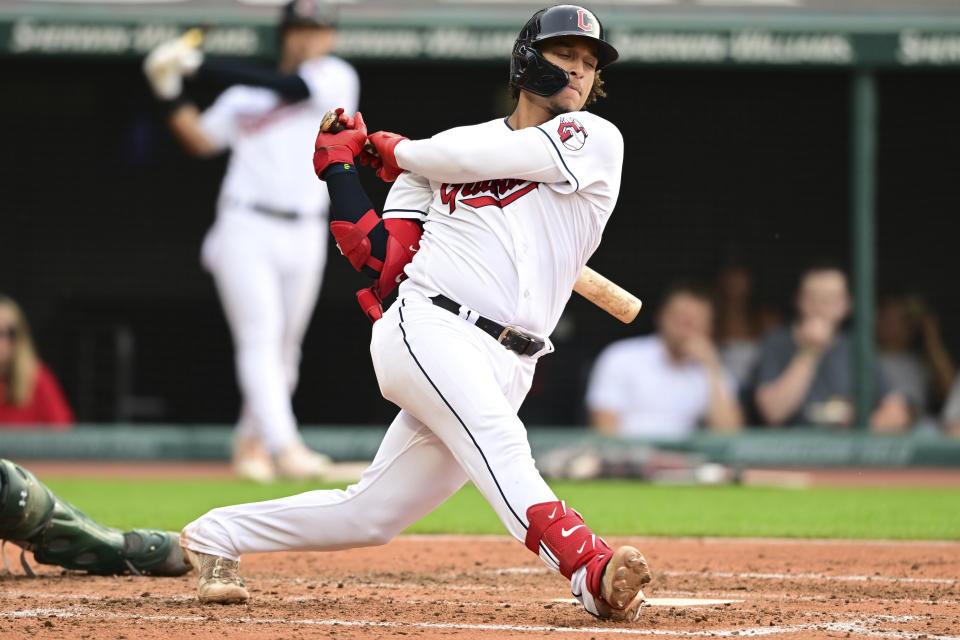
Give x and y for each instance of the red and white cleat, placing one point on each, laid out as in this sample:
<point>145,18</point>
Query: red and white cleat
<point>620,596</point>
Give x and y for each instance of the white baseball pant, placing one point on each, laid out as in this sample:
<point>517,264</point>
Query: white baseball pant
<point>267,272</point>
<point>459,391</point>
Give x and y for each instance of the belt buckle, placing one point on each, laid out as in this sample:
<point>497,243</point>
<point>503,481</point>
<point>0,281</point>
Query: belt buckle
<point>510,338</point>
<point>507,331</point>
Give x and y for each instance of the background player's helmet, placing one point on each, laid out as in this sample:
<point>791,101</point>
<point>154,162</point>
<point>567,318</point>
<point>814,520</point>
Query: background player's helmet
<point>310,13</point>
<point>530,71</point>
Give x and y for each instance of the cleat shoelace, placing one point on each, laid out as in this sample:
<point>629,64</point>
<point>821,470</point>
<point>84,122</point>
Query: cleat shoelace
<point>225,571</point>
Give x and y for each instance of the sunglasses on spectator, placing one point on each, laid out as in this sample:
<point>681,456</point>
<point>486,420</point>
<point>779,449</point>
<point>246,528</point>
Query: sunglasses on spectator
<point>8,332</point>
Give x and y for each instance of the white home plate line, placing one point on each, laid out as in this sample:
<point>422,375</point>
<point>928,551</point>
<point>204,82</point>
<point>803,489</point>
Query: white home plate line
<point>753,575</point>
<point>670,602</point>
<point>255,581</point>
<point>860,626</point>
<point>808,576</point>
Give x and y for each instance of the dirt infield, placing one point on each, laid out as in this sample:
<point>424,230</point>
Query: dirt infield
<point>492,587</point>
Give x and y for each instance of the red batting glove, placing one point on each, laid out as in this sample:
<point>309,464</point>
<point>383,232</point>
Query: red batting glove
<point>343,147</point>
<point>366,158</point>
<point>385,143</point>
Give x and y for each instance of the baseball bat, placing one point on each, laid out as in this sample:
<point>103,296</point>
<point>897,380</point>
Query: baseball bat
<point>609,296</point>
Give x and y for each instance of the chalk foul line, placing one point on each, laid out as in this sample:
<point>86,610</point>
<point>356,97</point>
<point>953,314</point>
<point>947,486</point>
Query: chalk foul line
<point>860,626</point>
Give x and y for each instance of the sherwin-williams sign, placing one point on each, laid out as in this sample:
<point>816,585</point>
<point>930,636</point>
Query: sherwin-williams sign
<point>246,29</point>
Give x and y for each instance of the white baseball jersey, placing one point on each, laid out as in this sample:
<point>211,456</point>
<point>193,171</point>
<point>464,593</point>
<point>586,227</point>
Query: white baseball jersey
<point>511,217</point>
<point>272,139</point>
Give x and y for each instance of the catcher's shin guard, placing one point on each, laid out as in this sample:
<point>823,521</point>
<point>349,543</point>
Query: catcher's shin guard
<point>58,533</point>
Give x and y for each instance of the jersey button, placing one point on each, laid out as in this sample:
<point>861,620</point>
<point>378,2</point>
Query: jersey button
<point>526,293</point>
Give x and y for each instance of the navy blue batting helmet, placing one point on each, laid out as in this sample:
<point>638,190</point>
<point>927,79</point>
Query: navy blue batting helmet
<point>530,71</point>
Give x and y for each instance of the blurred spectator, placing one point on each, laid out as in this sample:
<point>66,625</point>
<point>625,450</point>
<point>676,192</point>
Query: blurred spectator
<point>805,372</point>
<point>29,394</point>
<point>951,411</point>
<point>664,384</point>
<point>911,353</point>
<point>740,323</point>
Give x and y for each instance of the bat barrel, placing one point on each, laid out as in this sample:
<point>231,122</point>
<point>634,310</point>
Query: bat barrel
<point>607,295</point>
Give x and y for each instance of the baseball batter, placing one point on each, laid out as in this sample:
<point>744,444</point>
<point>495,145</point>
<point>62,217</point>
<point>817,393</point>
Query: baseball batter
<point>267,248</point>
<point>510,210</point>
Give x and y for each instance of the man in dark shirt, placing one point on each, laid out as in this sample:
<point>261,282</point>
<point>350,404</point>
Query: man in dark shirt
<point>805,371</point>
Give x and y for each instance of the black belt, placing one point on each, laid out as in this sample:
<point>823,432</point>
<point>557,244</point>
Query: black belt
<point>275,213</point>
<point>508,337</point>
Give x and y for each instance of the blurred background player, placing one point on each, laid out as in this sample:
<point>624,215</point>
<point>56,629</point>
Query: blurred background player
<point>29,392</point>
<point>805,377</point>
<point>664,385</point>
<point>267,248</point>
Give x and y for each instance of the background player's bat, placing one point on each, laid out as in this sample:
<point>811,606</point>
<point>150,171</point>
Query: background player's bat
<point>610,297</point>
<point>193,38</point>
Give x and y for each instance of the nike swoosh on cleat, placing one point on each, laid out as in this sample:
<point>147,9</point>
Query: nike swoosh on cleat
<point>550,517</point>
<point>580,550</point>
<point>565,532</point>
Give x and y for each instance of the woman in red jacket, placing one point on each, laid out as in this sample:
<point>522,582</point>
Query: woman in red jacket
<point>29,394</point>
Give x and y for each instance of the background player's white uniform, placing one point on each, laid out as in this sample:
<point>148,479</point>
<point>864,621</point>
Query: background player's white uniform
<point>510,220</point>
<point>267,248</point>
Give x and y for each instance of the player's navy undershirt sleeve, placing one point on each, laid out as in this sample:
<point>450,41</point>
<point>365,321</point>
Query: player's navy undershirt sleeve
<point>349,202</point>
<point>289,85</point>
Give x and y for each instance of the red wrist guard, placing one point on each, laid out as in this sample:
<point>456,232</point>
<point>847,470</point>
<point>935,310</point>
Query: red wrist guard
<point>352,240</point>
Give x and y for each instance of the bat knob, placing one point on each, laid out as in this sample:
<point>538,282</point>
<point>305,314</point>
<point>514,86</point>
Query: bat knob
<point>331,123</point>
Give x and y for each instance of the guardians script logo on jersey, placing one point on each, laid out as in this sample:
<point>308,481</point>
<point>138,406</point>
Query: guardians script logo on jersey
<point>572,134</point>
<point>502,193</point>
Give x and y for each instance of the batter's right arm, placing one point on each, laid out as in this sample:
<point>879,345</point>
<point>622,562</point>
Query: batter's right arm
<point>464,156</point>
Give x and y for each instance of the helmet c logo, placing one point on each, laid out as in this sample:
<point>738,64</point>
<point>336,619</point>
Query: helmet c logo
<point>584,20</point>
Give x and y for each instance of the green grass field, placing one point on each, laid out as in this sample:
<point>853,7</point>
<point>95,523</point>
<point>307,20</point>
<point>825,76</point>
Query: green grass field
<point>615,508</point>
